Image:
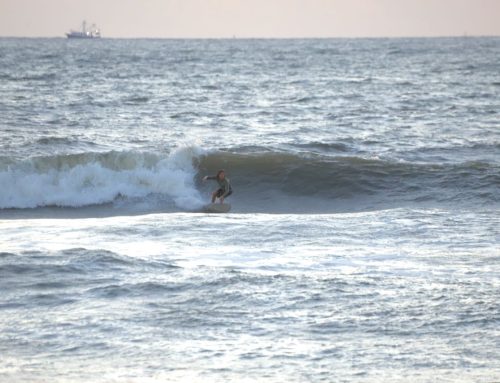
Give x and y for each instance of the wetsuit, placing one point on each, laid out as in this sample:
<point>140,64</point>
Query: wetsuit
<point>225,189</point>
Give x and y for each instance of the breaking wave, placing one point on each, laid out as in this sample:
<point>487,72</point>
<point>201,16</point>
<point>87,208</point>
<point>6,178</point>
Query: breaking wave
<point>78,180</point>
<point>265,181</point>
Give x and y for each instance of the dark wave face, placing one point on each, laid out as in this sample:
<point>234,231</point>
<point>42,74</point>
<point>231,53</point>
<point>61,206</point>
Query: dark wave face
<point>291,182</point>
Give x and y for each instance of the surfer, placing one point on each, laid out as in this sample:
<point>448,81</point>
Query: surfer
<point>224,190</point>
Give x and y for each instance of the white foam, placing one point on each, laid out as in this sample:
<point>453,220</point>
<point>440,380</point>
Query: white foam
<point>95,182</point>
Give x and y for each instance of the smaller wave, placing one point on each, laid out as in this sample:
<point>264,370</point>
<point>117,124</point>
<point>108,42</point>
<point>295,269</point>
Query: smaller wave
<point>358,80</point>
<point>396,51</point>
<point>328,51</point>
<point>32,77</point>
<point>184,115</point>
<point>51,278</point>
<point>70,262</point>
<point>335,147</point>
<point>113,291</point>
<point>49,56</point>
<point>137,100</point>
<point>54,140</point>
<point>81,258</point>
<point>210,87</point>
<point>305,99</point>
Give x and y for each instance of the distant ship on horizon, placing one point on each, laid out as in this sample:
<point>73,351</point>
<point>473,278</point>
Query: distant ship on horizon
<point>91,33</point>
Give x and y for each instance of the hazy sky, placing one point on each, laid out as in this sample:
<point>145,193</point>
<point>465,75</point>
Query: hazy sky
<point>252,18</point>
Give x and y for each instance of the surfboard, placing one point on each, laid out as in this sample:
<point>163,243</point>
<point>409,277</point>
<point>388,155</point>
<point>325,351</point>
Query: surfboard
<point>217,208</point>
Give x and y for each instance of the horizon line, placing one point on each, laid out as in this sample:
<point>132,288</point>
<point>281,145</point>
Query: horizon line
<point>465,35</point>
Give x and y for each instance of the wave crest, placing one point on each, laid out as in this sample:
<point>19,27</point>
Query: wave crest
<point>84,179</point>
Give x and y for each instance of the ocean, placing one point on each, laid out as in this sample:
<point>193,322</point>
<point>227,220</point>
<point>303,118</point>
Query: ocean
<point>363,243</point>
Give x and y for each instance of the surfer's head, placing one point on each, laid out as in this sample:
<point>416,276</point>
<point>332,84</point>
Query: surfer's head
<point>221,174</point>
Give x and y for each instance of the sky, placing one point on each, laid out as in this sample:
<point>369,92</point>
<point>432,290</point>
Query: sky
<point>252,18</point>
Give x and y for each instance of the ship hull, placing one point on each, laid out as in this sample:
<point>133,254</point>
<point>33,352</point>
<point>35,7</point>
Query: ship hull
<point>80,36</point>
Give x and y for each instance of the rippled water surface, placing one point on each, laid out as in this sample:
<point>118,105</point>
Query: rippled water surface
<point>363,243</point>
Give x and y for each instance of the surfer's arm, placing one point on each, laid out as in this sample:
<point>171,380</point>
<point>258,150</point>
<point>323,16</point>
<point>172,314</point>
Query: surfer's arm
<point>209,178</point>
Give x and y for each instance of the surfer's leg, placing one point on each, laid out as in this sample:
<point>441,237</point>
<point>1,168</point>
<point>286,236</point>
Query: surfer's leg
<point>217,194</point>
<point>227,195</point>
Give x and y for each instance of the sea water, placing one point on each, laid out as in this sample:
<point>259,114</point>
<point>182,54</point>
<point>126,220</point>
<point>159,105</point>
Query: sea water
<point>363,244</point>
